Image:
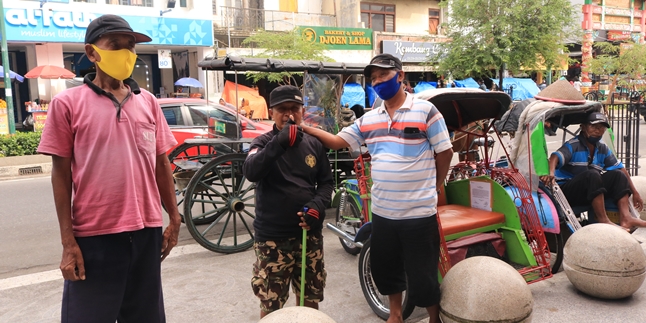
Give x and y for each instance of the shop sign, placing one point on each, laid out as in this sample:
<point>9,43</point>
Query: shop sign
<point>617,35</point>
<point>338,38</point>
<point>164,58</point>
<point>39,120</point>
<point>409,51</point>
<point>44,25</point>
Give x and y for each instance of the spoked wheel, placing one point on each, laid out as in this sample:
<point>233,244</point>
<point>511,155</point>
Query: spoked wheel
<point>348,219</point>
<point>188,157</point>
<point>220,191</point>
<point>378,302</point>
<point>555,241</point>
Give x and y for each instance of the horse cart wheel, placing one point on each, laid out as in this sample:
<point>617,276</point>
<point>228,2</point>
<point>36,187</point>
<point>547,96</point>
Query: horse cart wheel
<point>378,303</point>
<point>188,157</point>
<point>220,191</point>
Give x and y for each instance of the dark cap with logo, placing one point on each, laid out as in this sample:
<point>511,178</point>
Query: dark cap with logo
<point>285,93</point>
<point>598,117</point>
<point>111,24</point>
<point>383,61</point>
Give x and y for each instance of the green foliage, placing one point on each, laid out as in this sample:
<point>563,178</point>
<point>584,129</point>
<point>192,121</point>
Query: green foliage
<point>283,45</point>
<point>624,68</point>
<point>19,144</point>
<point>486,35</point>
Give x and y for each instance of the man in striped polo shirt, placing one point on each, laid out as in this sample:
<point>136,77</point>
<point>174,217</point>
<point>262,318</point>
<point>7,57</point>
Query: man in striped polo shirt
<point>578,166</point>
<point>411,152</point>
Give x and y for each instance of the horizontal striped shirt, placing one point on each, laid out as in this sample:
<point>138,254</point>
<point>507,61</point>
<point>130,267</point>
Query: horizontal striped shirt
<point>403,163</point>
<point>574,158</point>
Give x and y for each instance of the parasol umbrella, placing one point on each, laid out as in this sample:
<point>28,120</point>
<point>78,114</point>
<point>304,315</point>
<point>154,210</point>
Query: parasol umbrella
<point>188,81</point>
<point>13,75</point>
<point>49,72</point>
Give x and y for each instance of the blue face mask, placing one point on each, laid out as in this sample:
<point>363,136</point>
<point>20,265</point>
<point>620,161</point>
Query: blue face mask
<point>593,140</point>
<point>387,90</point>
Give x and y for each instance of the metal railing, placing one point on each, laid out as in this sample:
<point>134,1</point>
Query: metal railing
<point>624,113</point>
<point>247,19</point>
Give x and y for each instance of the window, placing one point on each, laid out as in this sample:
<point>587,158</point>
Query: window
<point>182,3</point>
<point>379,17</point>
<point>433,21</point>
<point>173,115</point>
<point>199,117</point>
<point>140,3</point>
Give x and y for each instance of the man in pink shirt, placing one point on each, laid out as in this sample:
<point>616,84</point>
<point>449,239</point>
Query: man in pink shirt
<point>108,141</point>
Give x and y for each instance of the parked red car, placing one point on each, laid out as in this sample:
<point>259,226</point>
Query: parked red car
<point>189,118</point>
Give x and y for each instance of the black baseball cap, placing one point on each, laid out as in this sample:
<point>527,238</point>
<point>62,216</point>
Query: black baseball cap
<point>598,117</point>
<point>285,93</point>
<point>108,24</point>
<point>383,61</point>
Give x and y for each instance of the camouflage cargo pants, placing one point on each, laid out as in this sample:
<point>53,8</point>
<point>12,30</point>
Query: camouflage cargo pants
<point>279,262</point>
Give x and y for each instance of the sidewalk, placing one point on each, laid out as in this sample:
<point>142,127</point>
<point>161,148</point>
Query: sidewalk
<point>203,286</point>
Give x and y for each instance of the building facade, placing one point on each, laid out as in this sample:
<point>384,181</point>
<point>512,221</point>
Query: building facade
<point>353,31</point>
<point>615,21</point>
<point>52,32</point>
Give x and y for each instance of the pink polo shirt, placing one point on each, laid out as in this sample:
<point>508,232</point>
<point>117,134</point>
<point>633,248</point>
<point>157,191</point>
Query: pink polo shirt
<point>113,161</point>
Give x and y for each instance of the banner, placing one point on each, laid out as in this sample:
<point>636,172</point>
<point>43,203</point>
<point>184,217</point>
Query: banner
<point>164,58</point>
<point>55,25</point>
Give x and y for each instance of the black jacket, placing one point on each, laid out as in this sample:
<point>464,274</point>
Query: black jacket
<point>286,181</point>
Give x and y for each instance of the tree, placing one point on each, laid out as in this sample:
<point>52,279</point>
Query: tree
<point>488,35</point>
<point>623,66</point>
<point>283,45</point>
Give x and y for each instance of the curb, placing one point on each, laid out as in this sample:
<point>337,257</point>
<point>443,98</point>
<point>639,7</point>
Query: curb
<point>29,170</point>
<point>24,166</point>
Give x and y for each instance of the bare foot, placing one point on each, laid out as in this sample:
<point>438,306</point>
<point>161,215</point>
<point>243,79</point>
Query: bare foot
<point>395,319</point>
<point>632,224</point>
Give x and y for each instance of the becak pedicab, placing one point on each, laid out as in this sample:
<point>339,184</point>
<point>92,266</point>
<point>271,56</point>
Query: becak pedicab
<point>557,108</point>
<point>492,214</point>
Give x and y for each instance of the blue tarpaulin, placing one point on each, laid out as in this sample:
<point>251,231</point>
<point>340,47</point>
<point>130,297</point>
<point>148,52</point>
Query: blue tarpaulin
<point>467,83</point>
<point>423,86</point>
<point>523,88</point>
<point>353,93</point>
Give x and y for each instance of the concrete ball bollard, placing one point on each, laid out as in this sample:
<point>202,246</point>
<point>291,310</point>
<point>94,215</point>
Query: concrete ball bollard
<point>296,314</point>
<point>485,289</point>
<point>604,261</point>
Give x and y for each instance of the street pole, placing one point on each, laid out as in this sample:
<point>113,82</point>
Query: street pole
<point>5,67</point>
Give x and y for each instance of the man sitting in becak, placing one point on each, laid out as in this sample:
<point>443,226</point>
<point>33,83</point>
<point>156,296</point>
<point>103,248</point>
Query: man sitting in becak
<point>588,172</point>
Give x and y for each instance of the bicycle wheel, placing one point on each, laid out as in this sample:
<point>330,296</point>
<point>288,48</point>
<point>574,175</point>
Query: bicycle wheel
<point>186,158</point>
<point>220,190</point>
<point>378,302</point>
<point>349,220</point>
<point>555,241</point>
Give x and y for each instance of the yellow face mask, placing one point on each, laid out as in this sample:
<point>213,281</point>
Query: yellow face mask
<point>119,64</point>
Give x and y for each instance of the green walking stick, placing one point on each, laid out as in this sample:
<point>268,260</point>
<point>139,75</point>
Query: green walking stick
<point>303,262</point>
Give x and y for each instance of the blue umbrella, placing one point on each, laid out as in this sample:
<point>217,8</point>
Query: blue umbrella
<point>188,81</point>
<point>12,75</point>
